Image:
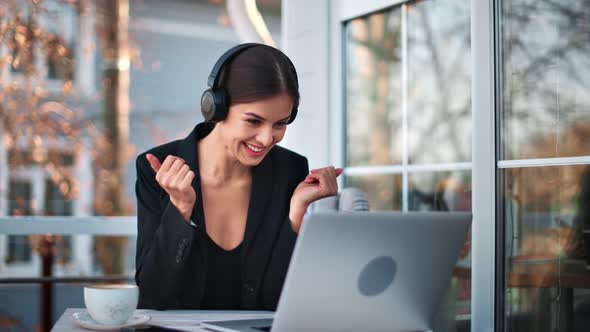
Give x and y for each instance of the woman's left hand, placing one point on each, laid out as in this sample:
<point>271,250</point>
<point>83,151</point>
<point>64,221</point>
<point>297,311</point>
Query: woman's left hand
<point>318,184</point>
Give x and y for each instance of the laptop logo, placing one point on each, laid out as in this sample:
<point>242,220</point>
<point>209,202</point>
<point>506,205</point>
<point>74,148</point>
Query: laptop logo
<point>377,276</point>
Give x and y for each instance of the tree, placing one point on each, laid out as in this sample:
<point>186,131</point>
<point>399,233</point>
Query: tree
<point>35,117</point>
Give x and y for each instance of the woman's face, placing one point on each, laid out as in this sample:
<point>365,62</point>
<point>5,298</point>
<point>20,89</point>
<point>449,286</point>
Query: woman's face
<point>252,129</point>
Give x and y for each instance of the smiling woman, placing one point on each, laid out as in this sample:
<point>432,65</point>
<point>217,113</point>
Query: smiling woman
<point>255,127</point>
<point>219,211</point>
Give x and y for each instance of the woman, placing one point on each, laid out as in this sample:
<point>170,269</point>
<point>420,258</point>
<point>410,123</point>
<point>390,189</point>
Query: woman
<point>219,211</point>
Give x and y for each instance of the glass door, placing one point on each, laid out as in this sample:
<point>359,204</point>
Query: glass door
<point>543,130</point>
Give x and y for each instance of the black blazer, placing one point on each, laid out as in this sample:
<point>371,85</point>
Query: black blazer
<point>171,261</point>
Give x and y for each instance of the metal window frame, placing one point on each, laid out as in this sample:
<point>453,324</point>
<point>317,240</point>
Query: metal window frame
<point>401,169</point>
<point>544,162</point>
<point>349,9</point>
<point>500,235</point>
<point>405,140</point>
<point>483,231</point>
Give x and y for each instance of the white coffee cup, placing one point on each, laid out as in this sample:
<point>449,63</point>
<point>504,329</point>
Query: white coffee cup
<point>111,304</point>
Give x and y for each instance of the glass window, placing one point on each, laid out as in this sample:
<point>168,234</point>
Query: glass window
<point>407,97</point>
<point>439,82</point>
<point>544,113</point>
<point>19,250</point>
<point>545,78</point>
<point>61,23</point>
<point>440,191</point>
<point>20,204</point>
<point>545,214</point>
<point>374,89</point>
<point>384,190</point>
<point>448,191</point>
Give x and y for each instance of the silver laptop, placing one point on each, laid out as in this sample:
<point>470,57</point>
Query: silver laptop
<point>376,271</point>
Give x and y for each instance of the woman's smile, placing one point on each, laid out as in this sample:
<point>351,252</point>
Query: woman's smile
<point>253,150</point>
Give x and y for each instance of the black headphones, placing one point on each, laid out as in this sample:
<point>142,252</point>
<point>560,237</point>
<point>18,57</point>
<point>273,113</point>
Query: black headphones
<point>214,103</point>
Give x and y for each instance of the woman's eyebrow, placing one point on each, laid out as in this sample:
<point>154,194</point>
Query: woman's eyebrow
<point>255,115</point>
<point>263,119</point>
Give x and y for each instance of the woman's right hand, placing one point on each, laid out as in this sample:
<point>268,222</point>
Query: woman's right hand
<point>176,177</point>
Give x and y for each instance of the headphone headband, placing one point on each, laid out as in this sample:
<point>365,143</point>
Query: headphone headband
<point>213,79</point>
<point>214,101</point>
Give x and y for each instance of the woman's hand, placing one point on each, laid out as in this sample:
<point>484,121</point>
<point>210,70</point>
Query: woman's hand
<point>175,177</point>
<point>318,184</point>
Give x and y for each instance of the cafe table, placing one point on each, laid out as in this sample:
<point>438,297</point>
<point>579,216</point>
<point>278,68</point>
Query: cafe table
<point>186,320</point>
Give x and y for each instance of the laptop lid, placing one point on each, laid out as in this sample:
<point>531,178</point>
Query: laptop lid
<point>377,271</point>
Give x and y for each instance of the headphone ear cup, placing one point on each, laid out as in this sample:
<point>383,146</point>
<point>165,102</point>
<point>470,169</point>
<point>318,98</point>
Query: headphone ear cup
<point>214,105</point>
<point>221,107</point>
<point>208,105</point>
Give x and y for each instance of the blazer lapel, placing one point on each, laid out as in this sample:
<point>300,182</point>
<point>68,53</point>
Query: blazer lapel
<point>260,193</point>
<point>188,151</point>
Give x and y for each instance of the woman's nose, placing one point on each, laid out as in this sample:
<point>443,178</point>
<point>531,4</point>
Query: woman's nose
<point>266,136</point>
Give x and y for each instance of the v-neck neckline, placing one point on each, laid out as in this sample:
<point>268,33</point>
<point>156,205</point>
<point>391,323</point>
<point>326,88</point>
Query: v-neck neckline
<point>260,190</point>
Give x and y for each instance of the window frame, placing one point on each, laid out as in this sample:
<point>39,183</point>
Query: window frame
<point>405,168</point>
<point>483,163</point>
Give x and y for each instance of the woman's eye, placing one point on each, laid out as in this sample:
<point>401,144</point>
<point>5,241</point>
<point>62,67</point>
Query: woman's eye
<point>253,121</point>
<point>281,124</point>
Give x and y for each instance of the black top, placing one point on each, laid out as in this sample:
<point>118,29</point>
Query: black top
<point>223,286</point>
<point>171,264</point>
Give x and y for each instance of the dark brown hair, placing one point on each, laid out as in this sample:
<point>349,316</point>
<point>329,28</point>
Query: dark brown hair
<point>257,73</point>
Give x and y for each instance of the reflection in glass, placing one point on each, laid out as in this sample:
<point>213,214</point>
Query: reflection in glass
<point>431,39</point>
<point>447,191</point>
<point>439,82</point>
<point>374,89</point>
<point>547,279</point>
<point>545,74</point>
<point>440,191</point>
<point>545,113</point>
<point>383,191</point>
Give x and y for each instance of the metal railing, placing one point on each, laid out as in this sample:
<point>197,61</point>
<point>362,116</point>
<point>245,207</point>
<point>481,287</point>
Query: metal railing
<point>28,225</point>
<point>36,225</point>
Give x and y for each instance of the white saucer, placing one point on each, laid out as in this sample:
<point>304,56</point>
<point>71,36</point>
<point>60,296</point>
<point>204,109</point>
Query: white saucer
<point>83,319</point>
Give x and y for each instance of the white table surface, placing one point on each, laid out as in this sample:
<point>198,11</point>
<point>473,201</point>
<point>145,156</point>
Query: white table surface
<point>188,320</point>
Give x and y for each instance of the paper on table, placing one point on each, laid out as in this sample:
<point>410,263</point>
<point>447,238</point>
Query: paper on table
<point>190,321</point>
